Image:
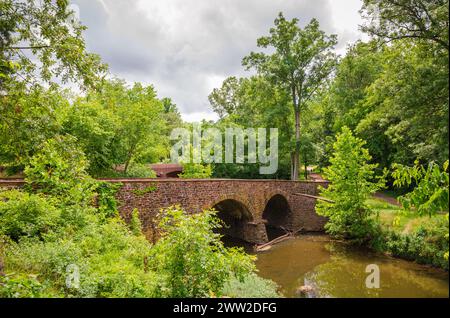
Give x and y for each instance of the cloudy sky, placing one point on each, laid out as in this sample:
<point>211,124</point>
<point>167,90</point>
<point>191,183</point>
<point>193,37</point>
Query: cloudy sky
<point>185,48</point>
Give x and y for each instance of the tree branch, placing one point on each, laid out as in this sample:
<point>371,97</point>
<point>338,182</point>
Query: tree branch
<point>26,47</point>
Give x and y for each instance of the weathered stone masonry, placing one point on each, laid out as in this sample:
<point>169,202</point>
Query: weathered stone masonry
<point>229,196</point>
<point>196,195</point>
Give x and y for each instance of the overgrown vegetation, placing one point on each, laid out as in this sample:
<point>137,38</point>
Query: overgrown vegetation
<point>56,242</point>
<point>191,258</point>
<point>353,215</point>
<point>429,242</point>
<point>383,105</point>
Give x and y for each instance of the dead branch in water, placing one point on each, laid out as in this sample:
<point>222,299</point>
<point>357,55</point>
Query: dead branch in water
<point>288,235</point>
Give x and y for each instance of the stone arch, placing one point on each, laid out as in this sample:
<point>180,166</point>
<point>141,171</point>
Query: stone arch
<point>238,221</point>
<point>277,215</point>
<point>172,174</point>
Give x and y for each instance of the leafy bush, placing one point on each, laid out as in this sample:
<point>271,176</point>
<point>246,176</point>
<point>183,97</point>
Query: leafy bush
<point>110,260</point>
<point>140,170</point>
<point>21,286</point>
<point>352,182</point>
<point>59,168</point>
<point>428,244</point>
<point>106,200</point>
<point>191,257</point>
<point>196,171</point>
<point>24,214</point>
<point>109,257</point>
<point>135,223</point>
<point>252,286</point>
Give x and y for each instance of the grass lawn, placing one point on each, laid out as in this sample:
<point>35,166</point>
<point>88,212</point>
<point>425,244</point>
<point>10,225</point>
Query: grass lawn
<point>394,217</point>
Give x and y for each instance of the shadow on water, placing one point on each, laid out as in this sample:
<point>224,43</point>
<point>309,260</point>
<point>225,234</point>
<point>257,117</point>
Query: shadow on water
<point>274,232</point>
<point>336,269</point>
<point>229,241</point>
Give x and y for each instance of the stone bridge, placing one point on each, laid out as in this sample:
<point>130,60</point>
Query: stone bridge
<point>248,207</point>
<point>253,210</point>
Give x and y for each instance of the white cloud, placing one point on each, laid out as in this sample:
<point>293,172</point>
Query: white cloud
<point>185,48</point>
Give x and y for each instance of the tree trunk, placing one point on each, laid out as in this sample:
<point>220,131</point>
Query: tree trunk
<point>306,168</point>
<point>130,155</point>
<point>296,161</point>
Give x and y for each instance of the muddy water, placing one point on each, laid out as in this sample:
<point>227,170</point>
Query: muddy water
<point>334,269</point>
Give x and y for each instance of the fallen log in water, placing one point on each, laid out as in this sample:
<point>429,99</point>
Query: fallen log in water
<point>266,246</point>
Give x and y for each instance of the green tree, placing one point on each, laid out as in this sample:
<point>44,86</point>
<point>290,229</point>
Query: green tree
<point>408,105</point>
<point>225,100</point>
<point>302,61</point>
<point>140,122</point>
<point>44,38</point>
<point>357,70</point>
<point>27,120</point>
<point>352,181</point>
<point>118,124</point>
<point>95,127</point>
<point>417,20</point>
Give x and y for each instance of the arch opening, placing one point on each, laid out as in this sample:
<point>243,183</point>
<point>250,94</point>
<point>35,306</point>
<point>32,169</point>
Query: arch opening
<point>173,174</point>
<point>236,217</point>
<point>277,216</point>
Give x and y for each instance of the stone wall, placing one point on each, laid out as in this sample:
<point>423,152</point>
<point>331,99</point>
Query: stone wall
<point>196,195</point>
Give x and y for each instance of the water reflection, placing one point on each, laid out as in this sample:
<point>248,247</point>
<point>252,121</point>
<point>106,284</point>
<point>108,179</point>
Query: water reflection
<point>336,269</point>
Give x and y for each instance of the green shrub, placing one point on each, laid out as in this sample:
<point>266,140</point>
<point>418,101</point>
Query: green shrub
<point>191,258</point>
<point>428,244</point>
<point>135,223</point>
<point>110,260</point>
<point>21,286</point>
<point>431,192</point>
<point>252,286</point>
<point>24,214</point>
<point>430,195</point>
<point>59,168</point>
<point>140,170</point>
<point>196,171</point>
<point>106,200</point>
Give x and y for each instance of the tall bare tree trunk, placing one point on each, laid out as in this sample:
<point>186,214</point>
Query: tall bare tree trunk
<point>296,160</point>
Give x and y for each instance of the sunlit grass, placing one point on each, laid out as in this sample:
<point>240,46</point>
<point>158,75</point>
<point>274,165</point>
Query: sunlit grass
<point>398,219</point>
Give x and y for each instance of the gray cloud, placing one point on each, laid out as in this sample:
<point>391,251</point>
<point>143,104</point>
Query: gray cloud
<point>187,47</point>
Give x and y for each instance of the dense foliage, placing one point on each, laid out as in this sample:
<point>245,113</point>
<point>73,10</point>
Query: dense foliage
<point>352,182</point>
<point>196,171</point>
<point>392,90</point>
<point>430,194</point>
<point>428,244</point>
<point>191,257</point>
<point>61,235</point>
<point>49,236</point>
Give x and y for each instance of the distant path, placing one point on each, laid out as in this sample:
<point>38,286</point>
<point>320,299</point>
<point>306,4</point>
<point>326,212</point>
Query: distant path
<point>386,198</point>
<point>316,177</point>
